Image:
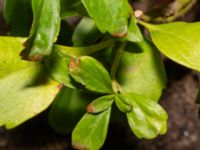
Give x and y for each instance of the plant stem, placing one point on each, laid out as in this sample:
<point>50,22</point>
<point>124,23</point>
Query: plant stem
<point>177,15</point>
<point>81,51</point>
<point>115,66</point>
<point>183,11</point>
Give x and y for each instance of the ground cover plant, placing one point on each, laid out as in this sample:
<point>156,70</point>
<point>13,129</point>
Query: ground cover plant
<point>106,63</point>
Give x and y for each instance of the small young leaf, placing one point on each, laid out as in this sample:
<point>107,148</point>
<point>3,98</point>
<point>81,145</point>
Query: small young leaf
<point>86,33</point>
<point>123,103</point>
<point>57,67</point>
<point>44,30</point>
<point>147,119</point>
<point>90,73</point>
<point>141,70</point>
<point>110,15</point>
<point>134,34</point>
<point>179,41</point>
<point>67,109</point>
<point>18,14</point>
<point>90,133</point>
<point>101,104</point>
<point>24,89</point>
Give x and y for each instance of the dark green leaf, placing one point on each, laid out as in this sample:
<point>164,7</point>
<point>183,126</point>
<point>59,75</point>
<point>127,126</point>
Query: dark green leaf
<point>147,119</point>
<point>141,70</point>
<point>68,7</point>
<point>44,30</point>
<point>123,103</point>
<point>90,73</point>
<point>67,109</point>
<point>179,41</point>
<point>101,104</point>
<point>18,15</point>
<point>90,133</point>
<point>25,91</point>
<point>110,15</point>
<point>86,33</point>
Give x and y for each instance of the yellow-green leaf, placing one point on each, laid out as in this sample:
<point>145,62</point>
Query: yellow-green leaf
<point>25,91</point>
<point>178,41</point>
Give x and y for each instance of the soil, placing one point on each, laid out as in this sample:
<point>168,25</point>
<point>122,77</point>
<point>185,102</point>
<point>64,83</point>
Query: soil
<point>178,100</point>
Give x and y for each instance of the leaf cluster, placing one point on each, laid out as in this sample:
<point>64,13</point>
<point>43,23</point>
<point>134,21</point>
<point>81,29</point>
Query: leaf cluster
<point>85,69</point>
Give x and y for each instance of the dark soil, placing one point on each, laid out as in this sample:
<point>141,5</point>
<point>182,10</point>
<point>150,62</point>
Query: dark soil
<point>178,100</point>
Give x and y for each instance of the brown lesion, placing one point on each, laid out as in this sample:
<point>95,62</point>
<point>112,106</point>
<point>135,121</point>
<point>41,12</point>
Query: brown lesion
<point>90,108</point>
<point>74,63</point>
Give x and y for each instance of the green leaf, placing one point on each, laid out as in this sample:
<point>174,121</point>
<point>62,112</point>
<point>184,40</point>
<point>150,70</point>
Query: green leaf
<point>147,119</point>
<point>44,30</point>
<point>68,7</point>
<point>57,67</point>
<point>18,15</point>
<point>134,34</point>
<point>91,131</point>
<point>123,103</point>
<point>179,41</point>
<point>141,70</point>
<point>90,73</point>
<point>10,47</point>
<point>100,104</point>
<point>67,109</point>
<point>25,91</point>
<point>110,15</point>
<point>86,33</point>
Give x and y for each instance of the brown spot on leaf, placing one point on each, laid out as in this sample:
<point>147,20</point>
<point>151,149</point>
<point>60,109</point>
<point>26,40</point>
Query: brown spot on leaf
<point>90,108</point>
<point>74,63</point>
<point>78,146</point>
<point>59,86</point>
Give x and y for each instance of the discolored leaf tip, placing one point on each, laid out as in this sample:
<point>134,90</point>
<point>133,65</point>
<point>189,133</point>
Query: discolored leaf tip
<point>90,108</point>
<point>120,35</point>
<point>59,87</point>
<point>37,57</point>
<point>78,146</point>
<point>74,63</point>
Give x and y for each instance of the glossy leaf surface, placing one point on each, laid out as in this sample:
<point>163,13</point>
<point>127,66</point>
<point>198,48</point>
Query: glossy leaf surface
<point>123,103</point>
<point>25,91</point>
<point>44,30</point>
<point>110,15</point>
<point>100,104</point>
<point>90,73</point>
<point>141,70</point>
<point>178,41</point>
<point>90,133</point>
<point>147,119</point>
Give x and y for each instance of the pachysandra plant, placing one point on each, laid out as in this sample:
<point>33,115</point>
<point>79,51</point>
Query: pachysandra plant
<point>84,70</point>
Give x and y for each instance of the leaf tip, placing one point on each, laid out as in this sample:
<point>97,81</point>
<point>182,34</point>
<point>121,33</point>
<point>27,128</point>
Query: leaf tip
<point>36,57</point>
<point>90,108</point>
<point>78,146</point>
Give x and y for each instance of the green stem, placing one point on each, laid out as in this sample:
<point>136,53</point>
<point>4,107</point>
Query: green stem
<point>115,66</point>
<point>81,51</point>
